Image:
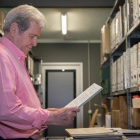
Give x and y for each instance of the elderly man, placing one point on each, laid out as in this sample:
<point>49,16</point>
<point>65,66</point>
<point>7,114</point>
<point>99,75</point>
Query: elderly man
<point>21,115</point>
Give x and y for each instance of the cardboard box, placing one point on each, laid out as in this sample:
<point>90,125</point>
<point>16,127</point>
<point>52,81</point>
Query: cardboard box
<point>136,102</point>
<point>113,118</point>
<point>124,119</point>
<point>115,103</point>
<point>117,115</point>
<point>123,103</point>
<point>136,116</point>
<point>105,45</point>
<point>120,119</point>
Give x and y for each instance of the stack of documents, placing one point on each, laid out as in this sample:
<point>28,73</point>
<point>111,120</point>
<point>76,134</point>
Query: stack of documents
<point>93,133</point>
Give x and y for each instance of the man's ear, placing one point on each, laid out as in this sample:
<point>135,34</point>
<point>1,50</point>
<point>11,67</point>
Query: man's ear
<point>14,30</point>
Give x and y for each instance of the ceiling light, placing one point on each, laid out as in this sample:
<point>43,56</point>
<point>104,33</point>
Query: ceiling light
<point>64,24</point>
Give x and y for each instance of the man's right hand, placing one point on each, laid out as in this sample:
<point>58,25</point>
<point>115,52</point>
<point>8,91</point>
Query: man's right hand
<point>62,116</point>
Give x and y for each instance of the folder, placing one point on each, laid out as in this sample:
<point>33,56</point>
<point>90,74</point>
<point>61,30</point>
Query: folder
<point>130,14</point>
<point>128,67</point>
<point>125,70</point>
<point>112,77</point>
<point>131,65</point>
<point>115,76</point>
<point>135,65</point>
<point>122,73</point>
<point>124,19</point>
<point>121,22</point>
<point>135,11</point>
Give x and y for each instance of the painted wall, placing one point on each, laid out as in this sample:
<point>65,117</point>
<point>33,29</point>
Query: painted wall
<point>75,52</point>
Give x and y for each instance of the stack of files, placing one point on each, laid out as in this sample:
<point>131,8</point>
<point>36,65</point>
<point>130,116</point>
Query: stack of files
<point>96,133</point>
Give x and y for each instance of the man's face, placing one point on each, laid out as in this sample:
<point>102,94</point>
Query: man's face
<point>28,39</point>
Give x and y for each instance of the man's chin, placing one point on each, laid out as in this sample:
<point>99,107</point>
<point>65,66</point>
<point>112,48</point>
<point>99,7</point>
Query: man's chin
<point>26,53</point>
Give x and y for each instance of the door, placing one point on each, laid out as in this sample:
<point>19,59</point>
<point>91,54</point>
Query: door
<point>60,90</point>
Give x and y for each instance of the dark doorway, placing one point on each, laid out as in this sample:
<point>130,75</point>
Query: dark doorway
<point>60,90</point>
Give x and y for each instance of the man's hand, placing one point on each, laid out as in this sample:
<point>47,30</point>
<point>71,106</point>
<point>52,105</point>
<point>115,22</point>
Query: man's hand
<point>62,116</point>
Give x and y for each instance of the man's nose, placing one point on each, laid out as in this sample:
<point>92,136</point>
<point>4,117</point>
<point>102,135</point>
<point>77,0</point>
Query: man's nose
<point>34,43</point>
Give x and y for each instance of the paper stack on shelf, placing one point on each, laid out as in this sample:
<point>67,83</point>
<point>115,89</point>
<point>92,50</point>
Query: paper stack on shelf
<point>93,133</point>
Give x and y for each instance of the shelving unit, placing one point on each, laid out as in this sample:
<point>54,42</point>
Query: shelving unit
<point>128,40</point>
<point>38,76</point>
<point>33,64</point>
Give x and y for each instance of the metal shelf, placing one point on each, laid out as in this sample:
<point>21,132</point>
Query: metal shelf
<point>135,89</point>
<point>115,9</point>
<point>120,46</point>
<point>106,63</point>
<point>122,92</point>
<point>131,38</point>
<point>134,29</point>
<point>106,96</point>
<point>130,90</point>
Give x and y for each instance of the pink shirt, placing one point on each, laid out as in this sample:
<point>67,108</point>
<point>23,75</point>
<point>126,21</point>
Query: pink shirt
<point>21,115</point>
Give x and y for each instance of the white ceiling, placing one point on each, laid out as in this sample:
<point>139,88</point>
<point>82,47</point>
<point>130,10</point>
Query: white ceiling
<point>83,24</point>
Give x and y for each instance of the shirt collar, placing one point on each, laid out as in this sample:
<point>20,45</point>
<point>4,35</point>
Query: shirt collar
<point>12,47</point>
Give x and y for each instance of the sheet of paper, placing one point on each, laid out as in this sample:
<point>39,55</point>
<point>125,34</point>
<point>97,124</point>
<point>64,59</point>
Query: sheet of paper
<point>85,96</point>
<point>88,131</point>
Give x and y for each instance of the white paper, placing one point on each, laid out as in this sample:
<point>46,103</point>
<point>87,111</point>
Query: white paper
<point>85,96</point>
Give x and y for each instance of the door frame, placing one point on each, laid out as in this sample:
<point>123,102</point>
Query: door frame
<point>78,67</point>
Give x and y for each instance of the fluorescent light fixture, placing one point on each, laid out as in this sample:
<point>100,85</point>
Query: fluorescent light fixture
<point>64,24</point>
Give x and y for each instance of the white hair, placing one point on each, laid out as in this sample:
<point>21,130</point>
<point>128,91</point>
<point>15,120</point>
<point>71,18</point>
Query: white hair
<point>23,15</point>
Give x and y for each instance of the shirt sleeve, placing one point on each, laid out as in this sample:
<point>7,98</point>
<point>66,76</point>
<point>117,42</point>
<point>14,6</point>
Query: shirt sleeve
<point>12,112</point>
